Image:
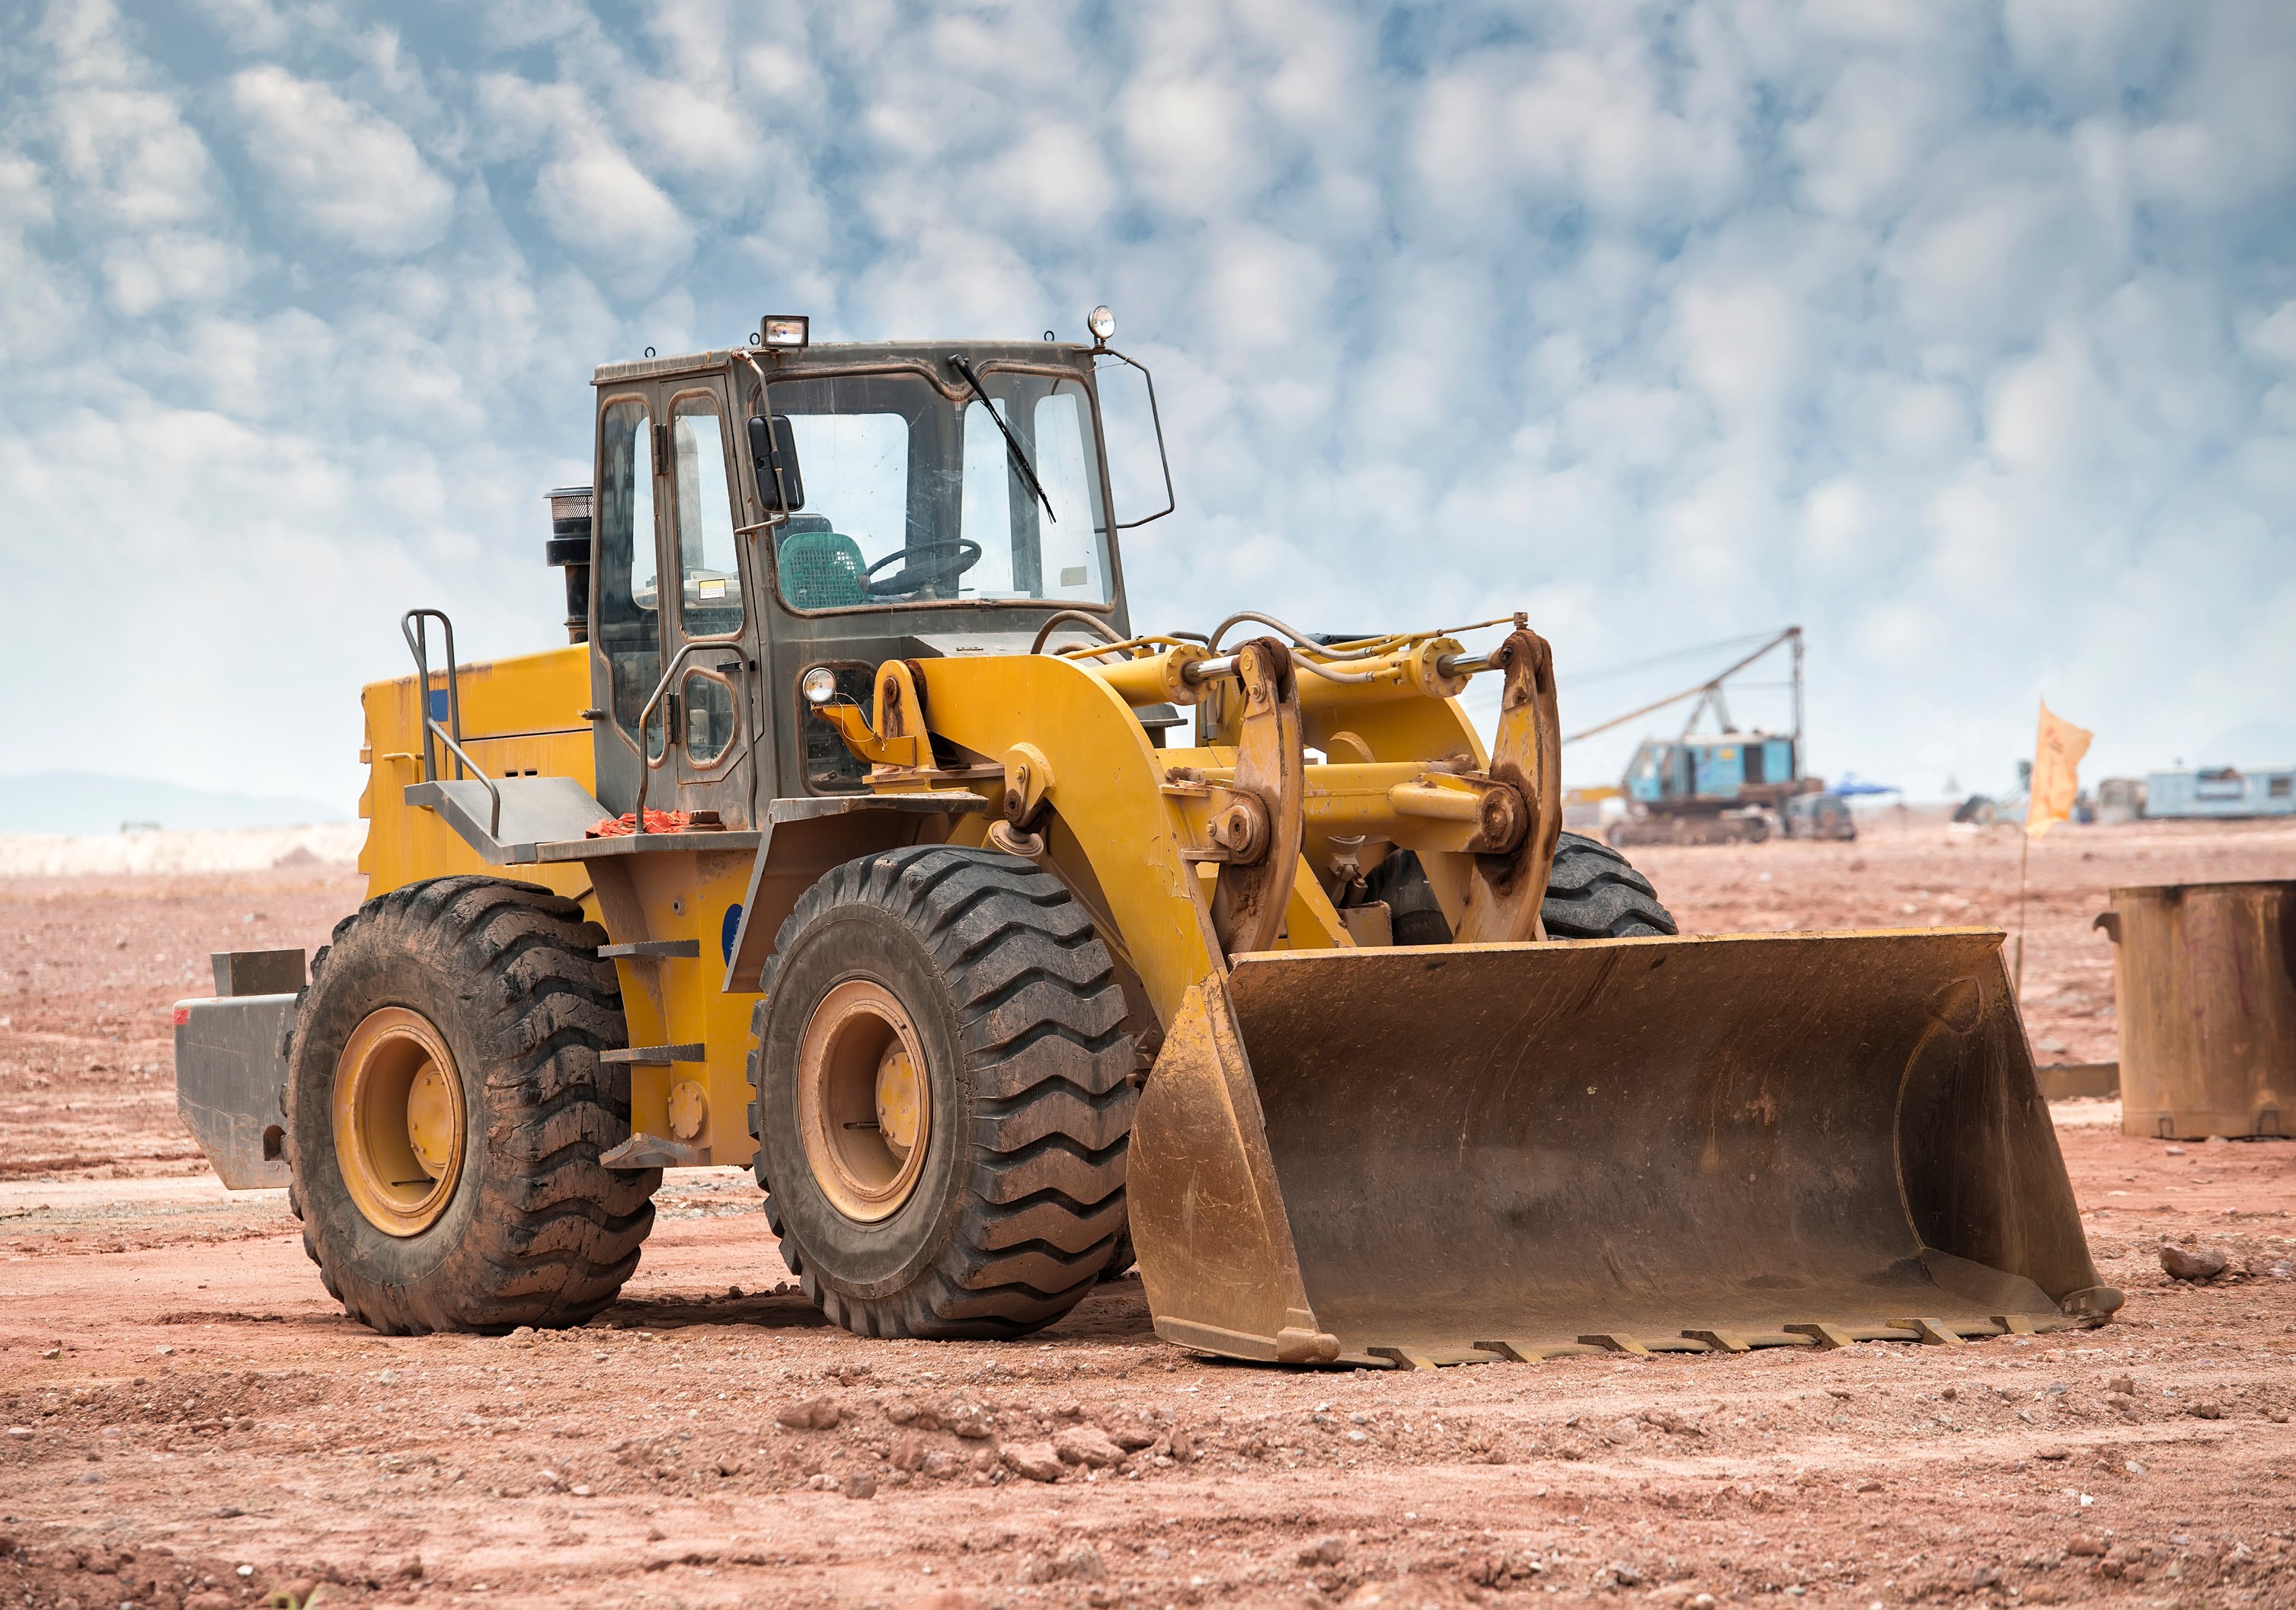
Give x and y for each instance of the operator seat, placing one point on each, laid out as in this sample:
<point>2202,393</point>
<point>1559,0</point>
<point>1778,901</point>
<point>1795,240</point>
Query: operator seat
<point>820,568</point>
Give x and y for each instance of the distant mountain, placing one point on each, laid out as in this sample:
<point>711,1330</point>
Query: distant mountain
<point>86,803</point>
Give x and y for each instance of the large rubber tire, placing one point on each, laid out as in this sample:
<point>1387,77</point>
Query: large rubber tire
<point>1593,893</point>
<point>1020,1198</point>
<point>536,1232</point>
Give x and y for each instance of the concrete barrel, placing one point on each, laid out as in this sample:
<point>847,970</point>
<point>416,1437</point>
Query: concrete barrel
<point>2204,975</point>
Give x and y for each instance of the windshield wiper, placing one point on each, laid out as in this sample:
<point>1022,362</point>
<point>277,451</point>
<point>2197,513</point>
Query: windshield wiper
<point>1012,442</point>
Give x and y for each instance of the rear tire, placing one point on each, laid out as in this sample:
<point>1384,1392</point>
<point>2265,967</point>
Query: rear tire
<point>494,998</point>
<point>980,967</point>
<point>1594,893</point>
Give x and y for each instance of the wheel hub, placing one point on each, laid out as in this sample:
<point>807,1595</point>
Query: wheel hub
<point>399,1125</point>
<point>865,1100</point>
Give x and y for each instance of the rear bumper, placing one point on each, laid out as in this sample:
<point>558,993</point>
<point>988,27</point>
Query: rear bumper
<point>231,1084</point>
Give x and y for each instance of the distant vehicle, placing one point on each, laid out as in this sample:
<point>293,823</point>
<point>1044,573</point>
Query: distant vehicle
<point>1819,815</point>
<point>2220,790</point>
<point>1712,788</point>
<point>2120,799</point>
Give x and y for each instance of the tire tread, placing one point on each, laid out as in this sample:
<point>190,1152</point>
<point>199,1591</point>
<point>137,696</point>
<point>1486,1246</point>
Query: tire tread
<point>1593,892</point>
<point>1049,1063</point>
<point>555,1236</point>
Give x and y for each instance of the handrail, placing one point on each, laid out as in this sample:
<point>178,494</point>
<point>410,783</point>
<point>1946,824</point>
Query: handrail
<point>647,764</point>
<point>494,795</point>
<point>412,627</point>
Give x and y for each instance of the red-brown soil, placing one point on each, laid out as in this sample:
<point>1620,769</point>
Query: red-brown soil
<point>182,1402</point>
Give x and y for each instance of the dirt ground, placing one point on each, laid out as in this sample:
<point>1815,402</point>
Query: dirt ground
<point>189,1420</point>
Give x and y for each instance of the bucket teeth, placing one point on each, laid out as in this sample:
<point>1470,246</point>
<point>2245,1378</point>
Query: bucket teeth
<point>1533,1352</point>
<point>1612,1343</point>
<point>1413,1358</point>
<point>1818,1334</point>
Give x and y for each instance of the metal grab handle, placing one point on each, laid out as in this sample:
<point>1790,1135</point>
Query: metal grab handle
<point>648,764</point>
<point>413,626</point>
<point>494,795</point>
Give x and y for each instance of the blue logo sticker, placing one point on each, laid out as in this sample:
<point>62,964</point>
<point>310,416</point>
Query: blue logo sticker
<point>731,926</point>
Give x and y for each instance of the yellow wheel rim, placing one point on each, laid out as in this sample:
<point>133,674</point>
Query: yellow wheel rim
<point>865,1100</point>
<point>400,1129</point>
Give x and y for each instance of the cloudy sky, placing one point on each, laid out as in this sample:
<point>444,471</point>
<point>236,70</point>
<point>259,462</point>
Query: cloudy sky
<point>1961,332</point>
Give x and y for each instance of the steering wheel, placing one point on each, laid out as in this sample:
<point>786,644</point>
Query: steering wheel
<point>910,577</point>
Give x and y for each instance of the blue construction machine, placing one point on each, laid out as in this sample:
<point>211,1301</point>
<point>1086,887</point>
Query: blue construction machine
<point>1726,786</point>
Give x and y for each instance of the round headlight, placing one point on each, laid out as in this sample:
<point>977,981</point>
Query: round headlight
<point>1102,323</point>
<point>818,685</point>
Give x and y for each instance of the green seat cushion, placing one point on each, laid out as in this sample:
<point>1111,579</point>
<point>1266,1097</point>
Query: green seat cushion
<point>821,571</point>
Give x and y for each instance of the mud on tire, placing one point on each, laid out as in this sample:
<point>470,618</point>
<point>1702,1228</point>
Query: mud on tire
<point>1593,893</point>
<point>536,1232</point>
<point>1019,1199</point>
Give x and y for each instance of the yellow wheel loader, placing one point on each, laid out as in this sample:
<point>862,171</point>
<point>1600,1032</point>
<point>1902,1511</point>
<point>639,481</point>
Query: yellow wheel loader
<point>859,836</point>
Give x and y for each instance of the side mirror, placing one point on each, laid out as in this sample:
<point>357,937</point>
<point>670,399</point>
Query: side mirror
<point>773,449</point>
<point>1128,442</point>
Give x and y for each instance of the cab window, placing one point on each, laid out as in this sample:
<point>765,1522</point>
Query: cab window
<point>916,497</point>
<point>710,583</point>
<point>628,590</point>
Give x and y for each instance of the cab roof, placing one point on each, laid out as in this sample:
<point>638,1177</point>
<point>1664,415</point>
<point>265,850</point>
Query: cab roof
<point>825,357</point>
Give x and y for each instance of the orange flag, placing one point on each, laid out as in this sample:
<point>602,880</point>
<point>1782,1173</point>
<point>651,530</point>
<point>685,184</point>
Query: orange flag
<point>2057,752</point>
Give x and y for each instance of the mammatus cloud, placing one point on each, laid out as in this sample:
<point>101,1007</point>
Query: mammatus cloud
<point>1962,332</point>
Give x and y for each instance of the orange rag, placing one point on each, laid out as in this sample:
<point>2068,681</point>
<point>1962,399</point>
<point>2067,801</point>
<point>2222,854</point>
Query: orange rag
<point>657,821</point>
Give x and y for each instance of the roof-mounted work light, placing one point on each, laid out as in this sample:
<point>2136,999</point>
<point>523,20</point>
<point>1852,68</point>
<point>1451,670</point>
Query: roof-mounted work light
<point>788,331</point>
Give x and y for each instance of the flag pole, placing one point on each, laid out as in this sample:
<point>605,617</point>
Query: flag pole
<point>2053,787</point>
<point>2024,856</point>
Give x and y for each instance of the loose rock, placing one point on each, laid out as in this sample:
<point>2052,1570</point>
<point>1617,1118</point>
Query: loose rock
<point>1088,1445</point>
<point>1081,1564</point>
<point>813,1414</point>
<point>966,1420</point>
<point>1130,1437</point>
<point>2192,1263</point>
<point>1324,1551</point>
<point>1034,1460</point>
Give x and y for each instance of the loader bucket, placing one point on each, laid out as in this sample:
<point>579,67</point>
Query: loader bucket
<point>1453,1153</point>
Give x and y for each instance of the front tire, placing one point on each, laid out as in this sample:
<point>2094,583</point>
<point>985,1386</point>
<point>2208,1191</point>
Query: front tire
<point>945,1095</point>
<point>447,1107</point>
<point>1593,892</point>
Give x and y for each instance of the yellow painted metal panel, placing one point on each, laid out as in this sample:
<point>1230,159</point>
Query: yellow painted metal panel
<point>678,1001</point>
<point>1107,791</point>
<point>521,714</point>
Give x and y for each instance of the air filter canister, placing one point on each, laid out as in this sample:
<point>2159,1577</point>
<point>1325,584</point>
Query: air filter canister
<point>570,548</point>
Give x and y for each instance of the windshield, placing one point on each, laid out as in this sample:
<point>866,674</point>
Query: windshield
<point>914,498</point>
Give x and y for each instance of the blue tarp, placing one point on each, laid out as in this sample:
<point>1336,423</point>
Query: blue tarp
<point>1852,783</point>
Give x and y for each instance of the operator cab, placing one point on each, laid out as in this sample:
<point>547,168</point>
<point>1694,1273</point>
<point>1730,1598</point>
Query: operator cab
<point>769,511</point>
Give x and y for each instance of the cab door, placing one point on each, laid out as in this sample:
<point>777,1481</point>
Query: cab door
<point>625,601</point>
<point>714,706</point>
